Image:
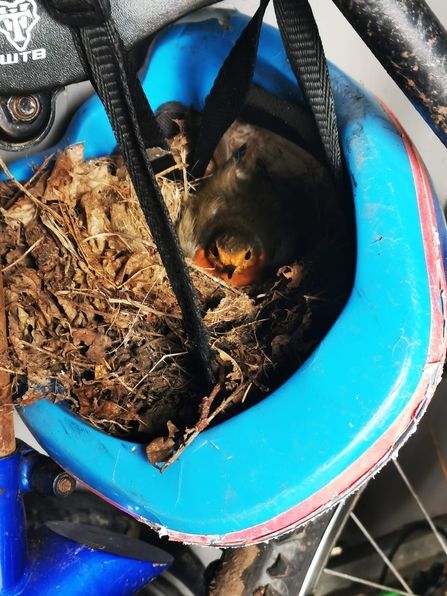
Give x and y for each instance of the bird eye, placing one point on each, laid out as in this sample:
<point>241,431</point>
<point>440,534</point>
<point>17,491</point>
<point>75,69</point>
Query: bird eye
<point>248,255</point>
<point>214,251</point>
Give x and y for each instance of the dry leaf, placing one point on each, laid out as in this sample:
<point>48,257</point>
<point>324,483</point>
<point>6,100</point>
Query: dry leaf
<point>295,273</point>
<point>160,450</point>
<point>21,213</point>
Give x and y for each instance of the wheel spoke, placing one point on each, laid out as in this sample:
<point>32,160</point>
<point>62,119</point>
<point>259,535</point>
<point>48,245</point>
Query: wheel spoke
<point>358,580</point>
<point>381,553</point>
<point>422,508</point>
<point>407,590</point>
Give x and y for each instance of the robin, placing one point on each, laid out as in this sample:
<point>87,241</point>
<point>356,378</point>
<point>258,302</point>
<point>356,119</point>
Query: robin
<point>238,225</point>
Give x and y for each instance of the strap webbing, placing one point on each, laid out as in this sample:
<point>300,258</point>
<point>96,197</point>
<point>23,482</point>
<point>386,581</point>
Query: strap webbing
<point>100,47</point>
<point>228,93</point>
<point>305,52</point>
<point>230,90</point>
<point>286,119</point>
<point>119,89</point>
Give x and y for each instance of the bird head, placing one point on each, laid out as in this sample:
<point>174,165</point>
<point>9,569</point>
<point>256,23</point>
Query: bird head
<point>233,255</point>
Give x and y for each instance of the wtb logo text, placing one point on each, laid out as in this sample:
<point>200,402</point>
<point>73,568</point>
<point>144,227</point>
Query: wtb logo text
<point>17,19</point>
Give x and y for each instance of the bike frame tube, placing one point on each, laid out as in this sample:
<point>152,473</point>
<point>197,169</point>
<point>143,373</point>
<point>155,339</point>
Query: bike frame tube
<point>74,560</point>
<point>411,44</point>
<point>66,558</point>
<point>13,535</point>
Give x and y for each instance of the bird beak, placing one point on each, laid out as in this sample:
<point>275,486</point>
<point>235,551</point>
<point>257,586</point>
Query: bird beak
<point>229,270</point>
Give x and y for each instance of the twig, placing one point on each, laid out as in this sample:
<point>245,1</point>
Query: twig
<point>202,423</point>
<point>97,423</point>
<point>205,407</point>
<point>30,249</point>
<point>143,308</point>
<point>120,235</point>
<point>121,382</point>
<point>30,182</point>
<point>7,434</point>
<point>40,169</point>
<point>308,297</point>
<point>224,404</point>
<point>10,370</point>
<point>132,277</point>
<point>171,169</point>
<point>162,359</point>
<point>33,347</point>
<point>244,397</point>
<point>25,191</point>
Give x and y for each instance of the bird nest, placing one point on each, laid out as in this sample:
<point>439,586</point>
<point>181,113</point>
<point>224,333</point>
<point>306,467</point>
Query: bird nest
<point>92,318</point>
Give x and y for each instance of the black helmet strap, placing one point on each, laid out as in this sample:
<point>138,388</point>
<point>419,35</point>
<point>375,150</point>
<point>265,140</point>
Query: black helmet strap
<point>102,51</point>
<point>305,53</point>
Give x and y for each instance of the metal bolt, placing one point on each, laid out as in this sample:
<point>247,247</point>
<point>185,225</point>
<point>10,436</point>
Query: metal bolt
<point>23,108</point>
<point>64,485</point>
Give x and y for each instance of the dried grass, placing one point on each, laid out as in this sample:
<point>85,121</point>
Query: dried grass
<point>91,313</point>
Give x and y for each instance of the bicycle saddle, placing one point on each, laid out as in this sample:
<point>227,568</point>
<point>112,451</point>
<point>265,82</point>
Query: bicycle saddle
<point>37,51</point>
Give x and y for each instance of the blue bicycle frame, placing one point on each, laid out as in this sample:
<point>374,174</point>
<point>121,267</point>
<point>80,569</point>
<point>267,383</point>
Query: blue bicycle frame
<point>62,557</point>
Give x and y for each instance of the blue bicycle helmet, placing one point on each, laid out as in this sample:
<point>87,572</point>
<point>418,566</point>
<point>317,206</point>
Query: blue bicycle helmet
<point>360,394</point>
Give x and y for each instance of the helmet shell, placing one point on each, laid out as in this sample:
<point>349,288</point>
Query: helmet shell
<point>351,405</point>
